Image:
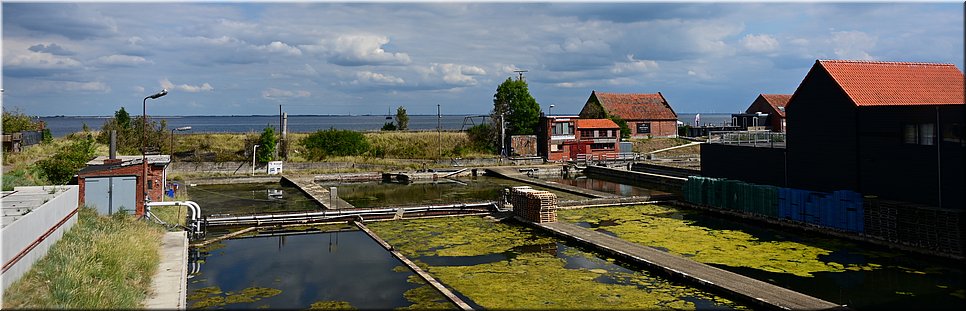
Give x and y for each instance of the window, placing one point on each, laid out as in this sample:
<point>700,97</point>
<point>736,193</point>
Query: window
<point>909,135</point>
<point>602,146</point>
<point>554,147</point>
<point>919,134</point>
<point>563,128</point>
<point>927,133</point>
<point>953,133</point>
<point>586,133</point>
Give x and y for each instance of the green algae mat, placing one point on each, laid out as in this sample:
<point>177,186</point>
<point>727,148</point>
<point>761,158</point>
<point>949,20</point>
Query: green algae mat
<point>651,225</point>
<point>500,265</point>
<point>862,277</point>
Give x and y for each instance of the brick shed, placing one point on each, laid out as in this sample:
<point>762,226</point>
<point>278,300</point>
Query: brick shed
<point>110,185</point>
<point>647,115</point>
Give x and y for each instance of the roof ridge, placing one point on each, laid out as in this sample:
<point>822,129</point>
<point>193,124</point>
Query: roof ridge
<point>882,62</point>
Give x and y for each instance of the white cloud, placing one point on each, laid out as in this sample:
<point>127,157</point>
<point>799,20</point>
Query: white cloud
<point>633,65</point>
<point>35,60</point>
<point>280,48</point>
<point>86,86</point>
<point>377,78</point>
<point>853,45</point>
<point>273,93</point>
<point>186,87</point>
<point>122,60</point>
<point>454,74</point>
<point>759,43</point>
<point>358,50</point>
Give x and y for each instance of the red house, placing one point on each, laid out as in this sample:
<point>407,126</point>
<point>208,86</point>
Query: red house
<point>563,138</point>
<point>771,105</point>
<point>111,185</point>
<point>647,115</point>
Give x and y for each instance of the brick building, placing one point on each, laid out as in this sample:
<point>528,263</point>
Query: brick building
<point>562,138</point>
<point>110,185</point>
<point>647,115</point>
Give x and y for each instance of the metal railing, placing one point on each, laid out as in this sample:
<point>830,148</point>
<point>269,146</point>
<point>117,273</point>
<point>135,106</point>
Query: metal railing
<point>748,138</point>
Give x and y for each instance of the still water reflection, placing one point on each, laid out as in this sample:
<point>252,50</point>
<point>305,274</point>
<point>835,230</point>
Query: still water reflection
<point>250,199</point>
<point>443,191</point>
<point>296,271</point>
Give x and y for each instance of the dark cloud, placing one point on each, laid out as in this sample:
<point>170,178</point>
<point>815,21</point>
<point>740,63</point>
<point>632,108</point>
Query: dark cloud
<point>69,20</point>
<point>636,12</point>
<point>52,48</point>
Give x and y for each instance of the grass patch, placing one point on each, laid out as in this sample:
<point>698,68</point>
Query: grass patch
<point>101,263</point>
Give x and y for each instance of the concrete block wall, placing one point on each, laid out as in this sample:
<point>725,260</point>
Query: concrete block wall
<point>26,240</point>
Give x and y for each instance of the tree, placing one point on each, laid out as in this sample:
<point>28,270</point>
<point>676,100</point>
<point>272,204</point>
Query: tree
<point>16,121</point>
<point>129,138</point>
<point>625,130</point>
<point>266,145</point>
<point>520,110</point>
<point>333,142</point>
<point>402,119</point>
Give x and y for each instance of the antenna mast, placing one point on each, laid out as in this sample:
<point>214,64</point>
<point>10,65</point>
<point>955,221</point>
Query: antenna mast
<point>520,73</point>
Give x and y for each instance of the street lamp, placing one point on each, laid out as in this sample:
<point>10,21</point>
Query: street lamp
<point>144,133</point>
<point>180,129</point>
<point>254,148</point>
<point>551,111</point>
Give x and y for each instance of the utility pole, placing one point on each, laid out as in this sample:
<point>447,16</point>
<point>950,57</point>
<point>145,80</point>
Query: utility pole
<point>502,138</point>
<point>439,134</point>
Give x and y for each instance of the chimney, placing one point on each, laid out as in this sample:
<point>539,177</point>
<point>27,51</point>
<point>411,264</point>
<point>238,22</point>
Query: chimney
<point>112,159</point>
<point>113,144</point>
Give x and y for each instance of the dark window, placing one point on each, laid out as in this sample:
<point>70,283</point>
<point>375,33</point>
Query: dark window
<point>587,133</point>
<point>953,133</point>
<point>919,134</point>
<point>602,146</point>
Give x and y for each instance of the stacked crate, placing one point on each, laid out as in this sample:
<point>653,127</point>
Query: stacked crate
<point>534,205</point>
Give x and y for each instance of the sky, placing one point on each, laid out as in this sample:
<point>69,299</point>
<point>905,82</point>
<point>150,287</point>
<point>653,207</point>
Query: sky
<point>247,58</point>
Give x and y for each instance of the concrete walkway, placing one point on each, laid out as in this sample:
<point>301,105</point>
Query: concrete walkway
<point>170,282</point>
<point>317,192</point>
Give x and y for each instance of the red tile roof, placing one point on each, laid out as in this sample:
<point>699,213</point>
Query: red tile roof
<point>776,101</point>
<point>596,124</point>
<point>636,106</point>
<point>897,83</point>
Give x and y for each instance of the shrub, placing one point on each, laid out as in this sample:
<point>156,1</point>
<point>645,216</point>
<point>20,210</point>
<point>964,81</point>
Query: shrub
<point>483,137</point>
<point>333,142</point>
<point>389,126</point>
<point>59,168</point>
<point>266,145</point>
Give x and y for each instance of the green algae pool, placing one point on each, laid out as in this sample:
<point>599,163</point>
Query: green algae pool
<point>499,265</point>
<point>830,269</point>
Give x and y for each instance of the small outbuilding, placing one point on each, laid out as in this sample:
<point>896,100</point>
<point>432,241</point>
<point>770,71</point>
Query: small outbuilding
<point>767,112</point>
<point>647,115</point>
<point>111,185</point>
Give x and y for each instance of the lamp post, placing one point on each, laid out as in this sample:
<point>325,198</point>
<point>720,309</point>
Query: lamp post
<point>180,129</point>
<point>550,113</point>
<point>254,148</point>
<point>144,133</point>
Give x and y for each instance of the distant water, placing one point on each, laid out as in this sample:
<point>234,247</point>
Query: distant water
<point>710,119</point>
<point>61,126</point>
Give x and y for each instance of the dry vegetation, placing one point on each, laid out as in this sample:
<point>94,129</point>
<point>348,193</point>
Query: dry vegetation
<point>383,145</point>
<point>101,263</point>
